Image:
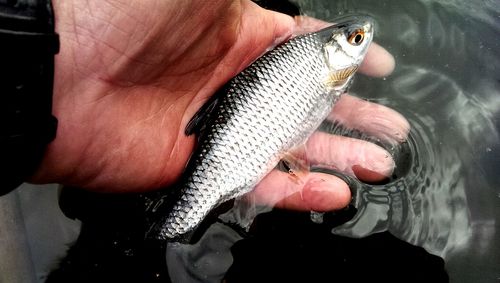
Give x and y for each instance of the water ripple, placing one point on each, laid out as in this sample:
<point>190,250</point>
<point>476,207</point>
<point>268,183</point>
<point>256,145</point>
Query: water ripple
<point>428,205</point>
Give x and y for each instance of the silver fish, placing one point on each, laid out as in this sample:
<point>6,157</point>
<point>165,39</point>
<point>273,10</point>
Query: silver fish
<point>263,113</point>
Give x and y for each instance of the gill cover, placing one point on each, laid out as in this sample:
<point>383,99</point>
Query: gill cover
<point>345,45</point>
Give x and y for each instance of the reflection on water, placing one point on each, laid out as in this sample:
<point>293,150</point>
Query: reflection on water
<point>446,195</point>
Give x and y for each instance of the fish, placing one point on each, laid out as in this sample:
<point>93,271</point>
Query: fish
<point>259,117</point>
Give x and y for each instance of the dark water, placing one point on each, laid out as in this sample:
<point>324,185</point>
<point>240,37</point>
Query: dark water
<point>439,217</point>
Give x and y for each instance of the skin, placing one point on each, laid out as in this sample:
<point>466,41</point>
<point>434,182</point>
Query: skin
<point>131,74</point>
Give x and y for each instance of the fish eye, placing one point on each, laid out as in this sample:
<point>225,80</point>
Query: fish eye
<point>356,37</point>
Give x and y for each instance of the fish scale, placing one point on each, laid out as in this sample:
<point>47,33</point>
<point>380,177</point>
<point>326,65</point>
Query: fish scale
<point>267,110</point>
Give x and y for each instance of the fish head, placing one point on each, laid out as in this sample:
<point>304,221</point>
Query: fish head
<point>344,46</point>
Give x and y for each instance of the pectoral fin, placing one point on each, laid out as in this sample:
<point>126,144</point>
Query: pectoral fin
<point>340,77</point>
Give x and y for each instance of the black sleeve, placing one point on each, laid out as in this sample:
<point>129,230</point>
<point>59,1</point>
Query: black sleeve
<point>28,43</point>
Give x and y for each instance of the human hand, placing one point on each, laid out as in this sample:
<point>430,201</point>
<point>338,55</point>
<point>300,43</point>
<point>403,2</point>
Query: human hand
<point>131,74</point>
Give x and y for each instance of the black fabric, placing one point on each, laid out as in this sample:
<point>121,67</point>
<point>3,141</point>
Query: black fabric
<point>27,48</point>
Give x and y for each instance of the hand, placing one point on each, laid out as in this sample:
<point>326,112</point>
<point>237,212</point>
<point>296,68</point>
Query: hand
<point>131,74</point>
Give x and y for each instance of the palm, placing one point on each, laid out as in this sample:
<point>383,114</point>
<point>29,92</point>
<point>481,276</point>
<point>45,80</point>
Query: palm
<point>131,74</point>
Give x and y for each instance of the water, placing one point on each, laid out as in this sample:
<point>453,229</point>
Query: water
<point>445,196</point>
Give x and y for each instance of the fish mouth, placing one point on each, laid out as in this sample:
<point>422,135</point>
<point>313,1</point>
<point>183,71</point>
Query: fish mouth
<point>340,77</point>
